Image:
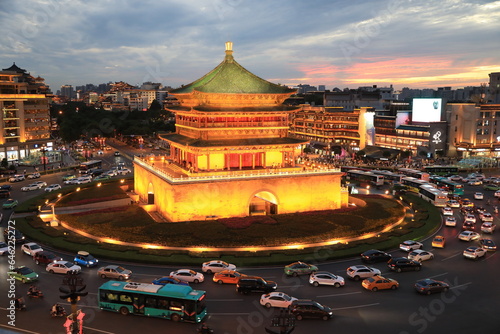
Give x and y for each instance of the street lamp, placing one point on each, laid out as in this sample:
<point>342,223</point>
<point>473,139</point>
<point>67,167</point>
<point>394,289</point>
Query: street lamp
<point>44,157</point>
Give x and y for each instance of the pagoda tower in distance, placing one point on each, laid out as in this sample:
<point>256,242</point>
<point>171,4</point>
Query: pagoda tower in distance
<point>231,155</point>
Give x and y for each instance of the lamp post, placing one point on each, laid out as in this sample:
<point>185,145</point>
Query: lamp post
<point>44,157</point>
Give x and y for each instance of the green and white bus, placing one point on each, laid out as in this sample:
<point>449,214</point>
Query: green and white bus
<point>170,301</point>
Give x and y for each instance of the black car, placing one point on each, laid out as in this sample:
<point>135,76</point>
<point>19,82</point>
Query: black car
<point>5,187</point>
<point>306,308</point>
<point>488,244</point>
<point>374,255</point>
<point>96,172</point>
<point>400,264</point>
<point>428,286</point>
<point>468,226</point>
<point>249,284</point>
<point>18,236</point>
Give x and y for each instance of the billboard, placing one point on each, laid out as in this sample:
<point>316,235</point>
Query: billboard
<point>427,110</point>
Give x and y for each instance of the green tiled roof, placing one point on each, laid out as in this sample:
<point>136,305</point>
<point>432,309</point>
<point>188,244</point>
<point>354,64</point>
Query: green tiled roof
<point>230,77</point>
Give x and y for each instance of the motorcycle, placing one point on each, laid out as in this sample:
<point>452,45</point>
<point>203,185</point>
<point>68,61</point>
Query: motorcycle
<point>35,294</point>
<point>204,329</point>
<point>20,305</point>
<point>60,312</point>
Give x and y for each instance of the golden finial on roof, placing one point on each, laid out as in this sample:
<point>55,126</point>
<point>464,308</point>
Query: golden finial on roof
<point>229,51</point>
<point>229,46</point>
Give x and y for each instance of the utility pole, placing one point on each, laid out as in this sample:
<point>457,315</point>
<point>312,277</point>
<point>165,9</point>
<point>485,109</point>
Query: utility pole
<point>72,290</point>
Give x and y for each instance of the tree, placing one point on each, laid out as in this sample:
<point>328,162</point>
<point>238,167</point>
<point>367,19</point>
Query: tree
<point>4,163</point>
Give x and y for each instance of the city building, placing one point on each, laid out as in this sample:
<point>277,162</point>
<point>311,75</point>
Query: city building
<point>231,155</point>
<point>25,118</point>
<point>494,87</point>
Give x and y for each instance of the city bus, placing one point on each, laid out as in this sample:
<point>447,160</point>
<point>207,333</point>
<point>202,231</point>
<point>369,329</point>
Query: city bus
<point>414,184</point>
<point>414,173</point>
<point>170,301</point>
<point>441,170</point>
<point>90,165</point>
<point>366,177</point>
<point>433,195</point>
<point>453,188</point>
<point>389,177</point>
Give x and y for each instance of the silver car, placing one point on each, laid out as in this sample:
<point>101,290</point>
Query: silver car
<point>114,271</point>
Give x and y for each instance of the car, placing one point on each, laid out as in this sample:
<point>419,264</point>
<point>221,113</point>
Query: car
<point>450,221</point>
<point>102,177</point>
<point>16,178</point>
<point>378,282</point>
<point>326,278</point>
<point>114,272</point>
<point>470,217</point>
<point>488,227</point>
<point>400,264</point>
<point>475,182</point>
<point>227,276</point>
<point>410,245</point>
<point>249,284</point>
<point>12,233</point>
<point>53,187</point>
<point>100,152</point>
<point>4,193</point>
<point>474,252</point>
<point>31,248</point>
<point>123,171</point>
<point>420,255</point>
<point>68,177</point>
<point>306,308</point>
<point>479,209</point>
<point>4,248</point>
<point>82,180</point>
<point>438,241</point>
<point>34,175</point>
<point>299,268</point>
<point>374,255</point>
<point>10,204</point>
<point>168,280</point>
<point>478,195</point>
<point>453,203</point>
<point>83,258</point>
<point>447,211</point>
<point>95,172</point>
<point>468,225</point>
<point>111,172</point>
<point>40,184</point>
<point>468,236</point>
<point>215,266</point>
<point>497,193</point>
<point>117,154</point>
<point>491,187</point>
<point>63,267</point>
<point>5,187</point>
<point>455,178</point>
<point>45,257</point>
<point>188,275</point>
<point>429,285</point>
<point>23,274</point>
<point>30,187</point>
<point>276,299</point>
<point>466,203</point>
<point>360,271</point>
<point>486,217</point>
<point>490,179</point>
<point>488,244</point>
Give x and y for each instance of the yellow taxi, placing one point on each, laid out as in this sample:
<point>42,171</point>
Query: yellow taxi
<point>227,276</point>
<point>438,241</point>
<point>379,283</point>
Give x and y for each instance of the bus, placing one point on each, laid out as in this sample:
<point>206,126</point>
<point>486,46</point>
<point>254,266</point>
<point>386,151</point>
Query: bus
<point>414,183</point>
<point>452,187</point>
<point>90,165</point>
<point>433,195</point>
<point>389,177</point>
<point>170,301</point>
<point>441,170</point>
<point>414,173</point>
<point>367,177</point>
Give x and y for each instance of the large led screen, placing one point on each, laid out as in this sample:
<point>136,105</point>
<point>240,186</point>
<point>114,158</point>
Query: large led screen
<point>426,110</point>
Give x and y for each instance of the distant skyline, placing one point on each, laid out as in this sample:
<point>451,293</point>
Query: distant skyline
<point>406,43</point>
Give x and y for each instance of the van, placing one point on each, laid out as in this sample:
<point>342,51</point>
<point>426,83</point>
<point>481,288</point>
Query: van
<point>45,257</point>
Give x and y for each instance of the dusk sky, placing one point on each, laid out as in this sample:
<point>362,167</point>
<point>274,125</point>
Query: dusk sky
<point>417,44</point>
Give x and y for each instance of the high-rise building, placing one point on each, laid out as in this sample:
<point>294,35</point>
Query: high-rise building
<point>67,91</point>
<point>494,88</point>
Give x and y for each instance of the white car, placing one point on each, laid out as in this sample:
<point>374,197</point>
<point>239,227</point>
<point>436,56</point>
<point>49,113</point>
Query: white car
<point>123,171</point>
<point>420,255</point>
<point>16,178</point>
<point>31,248</point>
<point>474,252</point>
<point>410,245</point>
<point>478,195</point>
<point>358,272</point>
<point>453,203</point>
<point>470,217</point>
<point>62,267</point>
<point>33,176</point>
<point>468,236</point>
<point>497,193</point>
<point>216,266</point>
<point>30,187</point>
<point>326,278</point>
<point>188,275</point>
<point>53,187</point>
<point>276,299</point>
<point>111,172</point>
<point>4,248</point>
<point>82,180</point>
<point>488,227</point>
<point>486,217</point>
<point>455,178</point>
<point>450,221</point>
<point>447,211</point>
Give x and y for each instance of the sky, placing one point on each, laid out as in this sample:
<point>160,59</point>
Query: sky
<point>406,43</point>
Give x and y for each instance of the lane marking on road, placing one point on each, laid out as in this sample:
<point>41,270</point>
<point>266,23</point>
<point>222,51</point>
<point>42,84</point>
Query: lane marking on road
<point>351,307</point>
<point>461,285</point>
<point>230,314</point>
<point>135,274</point>
<point>450,257</point>
<point>18,329</point>
<point>486,258</point>
<point>224,300</point>
<point>435,276</point>
<point>98,330</point>
<point>291,286</point>
<point>82,306</point>
<point>340,294</point>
